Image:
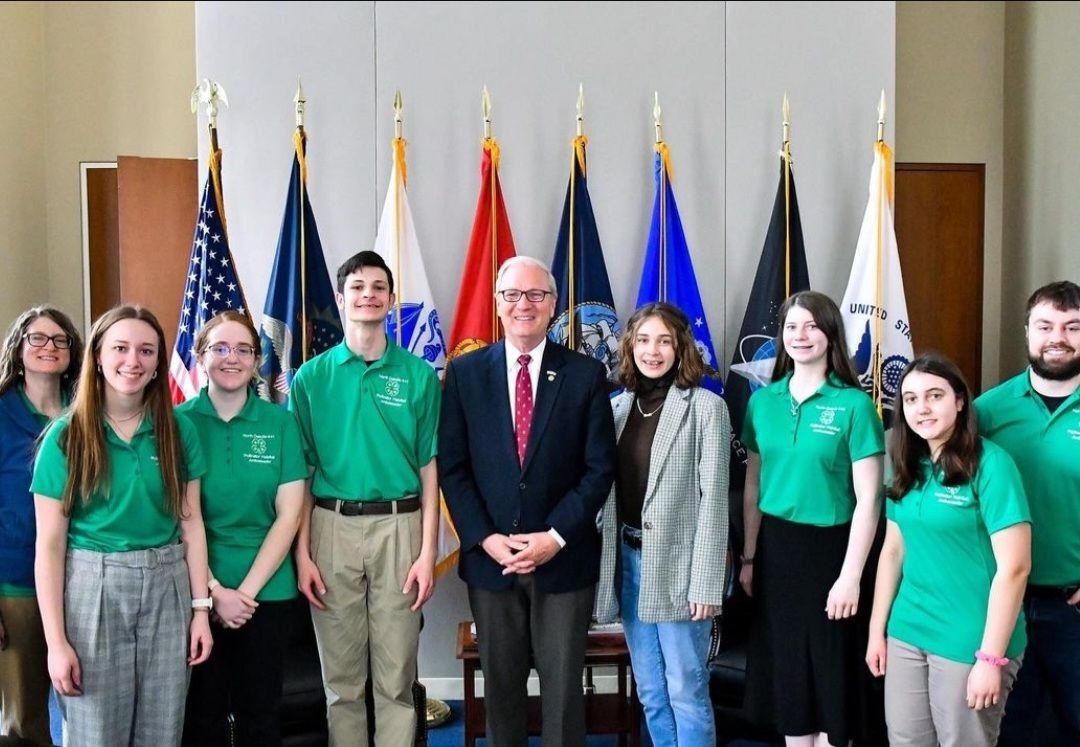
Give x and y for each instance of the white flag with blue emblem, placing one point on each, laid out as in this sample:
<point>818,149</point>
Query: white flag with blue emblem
<point>419,330</point>
<point>875,311</point>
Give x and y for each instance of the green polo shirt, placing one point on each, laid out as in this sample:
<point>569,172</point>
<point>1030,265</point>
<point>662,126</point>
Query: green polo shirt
<point>948,559</point>
<point>133,515</point>
<point>806,456</point>
<point>367,429</point>
<point>1046,449</point>
<point>247,458</point>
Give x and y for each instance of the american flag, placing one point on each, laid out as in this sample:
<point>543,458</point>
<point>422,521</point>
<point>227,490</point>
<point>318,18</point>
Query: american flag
<point>212,287</point>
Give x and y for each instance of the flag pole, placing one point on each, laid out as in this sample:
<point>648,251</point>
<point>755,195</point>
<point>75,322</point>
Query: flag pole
<point>579,142</point>
<point>300,141</point>
<point>879,148</point>
<point>489,145</point>
<point>399,184</point>
<point>210,93</point>
<point>660,147</point>
<point>787,198</point>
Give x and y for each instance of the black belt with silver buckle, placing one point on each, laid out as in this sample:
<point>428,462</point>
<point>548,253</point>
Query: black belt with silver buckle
<point>631,537</point>
<point>1050,592</point>
<point>369,508</point>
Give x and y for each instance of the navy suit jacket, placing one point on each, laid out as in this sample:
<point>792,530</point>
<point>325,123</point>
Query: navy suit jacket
<point>568,470</point>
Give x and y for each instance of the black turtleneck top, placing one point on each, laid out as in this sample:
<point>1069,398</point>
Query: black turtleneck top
<point>635,446</point>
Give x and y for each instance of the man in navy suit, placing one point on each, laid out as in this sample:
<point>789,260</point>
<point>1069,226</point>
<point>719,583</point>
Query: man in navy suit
<point>526,459</point>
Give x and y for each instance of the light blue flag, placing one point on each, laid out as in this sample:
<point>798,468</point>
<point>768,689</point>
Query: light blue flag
<point>668,274</point>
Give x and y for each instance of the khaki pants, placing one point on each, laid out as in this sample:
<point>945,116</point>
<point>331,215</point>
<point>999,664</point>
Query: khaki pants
<point>364,561</point>
<point>925,701</point>
<point>24,672</point>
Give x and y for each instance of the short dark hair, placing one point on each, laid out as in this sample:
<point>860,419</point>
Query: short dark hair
<point>359,261</point>
<point>1062,295</point>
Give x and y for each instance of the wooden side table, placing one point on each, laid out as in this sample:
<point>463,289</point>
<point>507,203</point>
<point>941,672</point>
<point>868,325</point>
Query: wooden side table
<point>605,713</point>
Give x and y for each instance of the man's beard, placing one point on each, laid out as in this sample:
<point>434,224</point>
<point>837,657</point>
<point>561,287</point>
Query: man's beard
<point>1055,372</point>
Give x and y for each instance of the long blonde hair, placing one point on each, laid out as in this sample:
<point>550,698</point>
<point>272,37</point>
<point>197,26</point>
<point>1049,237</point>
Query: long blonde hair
<point>84,440</point>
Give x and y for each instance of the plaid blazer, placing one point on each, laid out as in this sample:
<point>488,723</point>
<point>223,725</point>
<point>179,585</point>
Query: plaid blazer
<point>684,515</point>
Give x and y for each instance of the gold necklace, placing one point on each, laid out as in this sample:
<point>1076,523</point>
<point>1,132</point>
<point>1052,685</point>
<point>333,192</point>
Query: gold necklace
<point>114,419</point>
<point>647,414</point>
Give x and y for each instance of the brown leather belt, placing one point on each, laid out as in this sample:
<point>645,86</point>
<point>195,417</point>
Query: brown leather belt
<point>369,508</point>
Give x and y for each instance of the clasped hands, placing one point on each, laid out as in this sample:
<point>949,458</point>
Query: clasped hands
<point>520,553</point>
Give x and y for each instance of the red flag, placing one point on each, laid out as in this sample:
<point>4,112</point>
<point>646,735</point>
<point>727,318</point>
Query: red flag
<point>490,244</point>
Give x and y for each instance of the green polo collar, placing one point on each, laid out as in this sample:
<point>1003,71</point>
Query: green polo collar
<point>830,388</point>
<point>205,406</point>
<point>341,354</point>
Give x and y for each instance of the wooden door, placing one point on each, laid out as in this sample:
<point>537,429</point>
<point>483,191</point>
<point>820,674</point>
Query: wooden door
<point>939,233</point>
<point>158,202</point>
<point>101,240</point>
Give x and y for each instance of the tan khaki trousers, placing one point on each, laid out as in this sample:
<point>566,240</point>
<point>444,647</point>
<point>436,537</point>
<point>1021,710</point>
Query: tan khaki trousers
<point>24,672</point>
<point>364,561</point>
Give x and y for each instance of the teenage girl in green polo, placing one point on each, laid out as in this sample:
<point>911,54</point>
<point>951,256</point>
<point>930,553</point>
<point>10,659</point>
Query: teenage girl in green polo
<point>811,505</point>
<point>120,546</point>
<point>946,629</point>
<point>252,494</point>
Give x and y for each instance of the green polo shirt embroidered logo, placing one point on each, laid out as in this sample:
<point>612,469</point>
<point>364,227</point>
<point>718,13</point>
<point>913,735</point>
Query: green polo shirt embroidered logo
<point>948,557</point>
<point>133,515</point>
<point>807,452</point>
<point>367,429</point>
<point>1046,449</point>
<point>247,459</point>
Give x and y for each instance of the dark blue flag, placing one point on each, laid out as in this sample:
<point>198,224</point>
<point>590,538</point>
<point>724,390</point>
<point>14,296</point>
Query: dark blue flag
<point>211,287</point>
<point>781,271</point>
<point>300,307</point>
<point>668,274</point>
<point>583,283</point>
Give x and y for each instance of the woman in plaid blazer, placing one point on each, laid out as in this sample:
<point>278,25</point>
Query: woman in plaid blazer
<point>665,523</point>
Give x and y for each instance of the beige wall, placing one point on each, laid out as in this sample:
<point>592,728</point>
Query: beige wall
<point>950,109</point>
<point>1042,217</point>
<point>23,269</point>
<point>118,80</point>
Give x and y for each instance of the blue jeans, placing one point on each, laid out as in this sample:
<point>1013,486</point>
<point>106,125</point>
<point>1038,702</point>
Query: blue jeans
<point>1051,666</point>
<point>669,661</point>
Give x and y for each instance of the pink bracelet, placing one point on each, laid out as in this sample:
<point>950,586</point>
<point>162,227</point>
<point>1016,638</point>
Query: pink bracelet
<point>997,661</point>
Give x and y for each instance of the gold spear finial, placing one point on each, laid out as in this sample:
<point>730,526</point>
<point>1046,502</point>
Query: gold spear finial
<point>787,116</point>
<point>399,106</point>
<point>656,117</point>
<point>581,109</point>
<point>881,118</point>
<point>485,105</point>
<point>300,101</point>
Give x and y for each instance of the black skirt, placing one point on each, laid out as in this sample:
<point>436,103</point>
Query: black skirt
<point>802,667</point>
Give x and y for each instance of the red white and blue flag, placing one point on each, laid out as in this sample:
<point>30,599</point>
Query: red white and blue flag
<point>212,286</point>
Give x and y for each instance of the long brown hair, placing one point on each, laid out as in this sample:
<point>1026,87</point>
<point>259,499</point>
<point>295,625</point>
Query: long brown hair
<point>84,440</point>
<point>690,366</point>
<point>11,367</point>
<point>829,321</point>
<point>959,457</point>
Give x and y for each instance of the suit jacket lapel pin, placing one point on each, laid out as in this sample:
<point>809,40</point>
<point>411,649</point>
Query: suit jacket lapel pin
<point>550,375</point>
